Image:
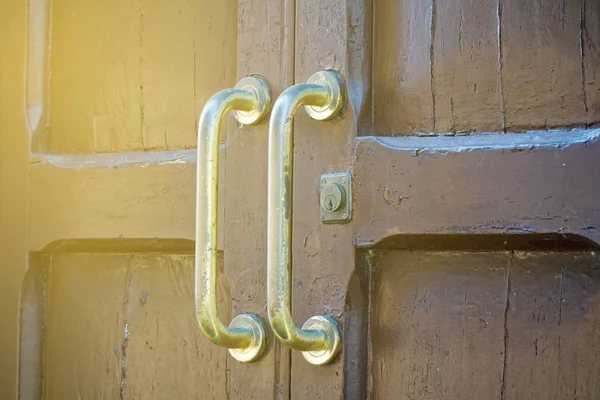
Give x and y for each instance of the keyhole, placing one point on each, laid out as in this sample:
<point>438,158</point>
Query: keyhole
<point>329,205</point>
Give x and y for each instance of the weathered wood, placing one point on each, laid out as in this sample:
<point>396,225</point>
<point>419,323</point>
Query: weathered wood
<point>146,200</point>
<point>437,325</point>
<point>141,342</point>
<point>134,76</point>
<point>84,343</point>
<point>167,355</point>
<point>552,343</point>
<point>541,64</point>
<point>464,56</point>
<point>484,65</point>
<point>537,190</point>
<point>265,46</point>
<point>485,325</point>
<point>590,52</point>
<point>403,91</point>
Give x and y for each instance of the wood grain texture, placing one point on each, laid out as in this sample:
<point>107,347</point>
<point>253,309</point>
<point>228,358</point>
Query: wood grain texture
<point>95,77</point>
<point>167,69</point>
<point>485,325</point>
<point>83,342</point>
<point>590,51</point>
<point>135,76</point>
<point>466,82</point>
<point>552,341</point>
<point>265,46</point>
<point>153,201</point>
<point>462,65</point>
<point>156,201</point>
<point>167,355</point>
<point>403,91</point>
<point>142,342</point>
<point>437,325</point>
<point>541,190</point>
<point>541,64</point>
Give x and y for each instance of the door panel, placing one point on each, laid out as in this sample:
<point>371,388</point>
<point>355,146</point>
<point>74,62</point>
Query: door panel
<point>552,341</point>
<point>437,324</point>
<point>111,319</point>
<point>464,66</point>
<point>112,96</point>
<point>116,325</point>
<point>469,206</point>
<point>124,77</point>
<point>529,183</point>
<point>516,325</point>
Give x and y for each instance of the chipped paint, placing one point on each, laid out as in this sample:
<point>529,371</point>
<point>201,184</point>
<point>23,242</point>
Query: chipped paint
<point>117,160</point>
<point>488,141</point>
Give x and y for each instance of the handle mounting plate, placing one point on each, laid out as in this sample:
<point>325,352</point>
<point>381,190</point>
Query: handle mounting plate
<point>335,198</point>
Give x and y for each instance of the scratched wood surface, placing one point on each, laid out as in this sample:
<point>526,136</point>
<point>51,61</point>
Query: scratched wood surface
<point>473,66</point>
<point>122,326</point>
<point>131,76</point>
<point>590,19</point>
<point>514,325</point>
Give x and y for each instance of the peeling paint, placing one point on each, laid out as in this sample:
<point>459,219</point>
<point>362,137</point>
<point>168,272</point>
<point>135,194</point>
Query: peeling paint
<point>488,141</point>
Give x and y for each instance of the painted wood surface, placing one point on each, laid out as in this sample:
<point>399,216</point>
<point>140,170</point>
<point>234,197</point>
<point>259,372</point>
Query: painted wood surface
<point>125,77</point>
<point>514,325</point>
<point>479,66</point>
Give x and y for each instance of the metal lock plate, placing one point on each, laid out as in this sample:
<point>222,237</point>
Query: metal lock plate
<point>335,197</point>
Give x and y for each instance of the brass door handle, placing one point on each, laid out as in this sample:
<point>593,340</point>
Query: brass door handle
<point>323,97</point>
<point>246,335</point>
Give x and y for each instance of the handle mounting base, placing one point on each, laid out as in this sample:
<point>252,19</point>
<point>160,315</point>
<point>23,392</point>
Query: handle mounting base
<point>257,329</point>
<point>334,339</point>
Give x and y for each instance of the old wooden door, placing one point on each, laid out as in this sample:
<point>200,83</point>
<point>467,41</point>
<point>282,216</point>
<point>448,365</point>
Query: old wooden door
<point>468,270</point>
<point>470,267</point>
<point>100,102</point>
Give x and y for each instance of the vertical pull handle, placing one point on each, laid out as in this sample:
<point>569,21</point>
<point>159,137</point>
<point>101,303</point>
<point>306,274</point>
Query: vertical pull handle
<point>323,97</point>
<point>246,335</point>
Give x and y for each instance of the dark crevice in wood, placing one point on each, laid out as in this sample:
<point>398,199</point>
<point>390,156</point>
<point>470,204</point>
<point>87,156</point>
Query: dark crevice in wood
<point>505,326</point>
<point>370,265</point>
<point>289,388</point>
<point>560,295</point>
<point>485,242</point>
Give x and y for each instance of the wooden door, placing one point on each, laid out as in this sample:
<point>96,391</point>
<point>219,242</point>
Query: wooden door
<point>99,110</point>
<point>470,268</point>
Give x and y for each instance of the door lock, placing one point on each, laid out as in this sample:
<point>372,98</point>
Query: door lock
<point>335,198</point>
